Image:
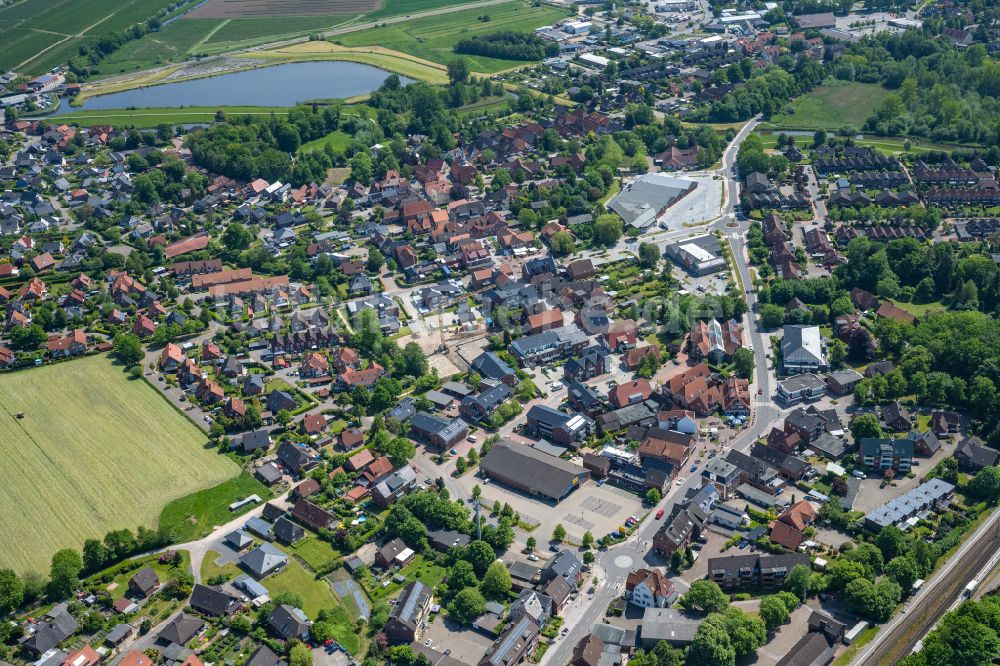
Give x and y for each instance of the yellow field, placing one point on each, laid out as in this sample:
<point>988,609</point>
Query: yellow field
<point>94,452</point>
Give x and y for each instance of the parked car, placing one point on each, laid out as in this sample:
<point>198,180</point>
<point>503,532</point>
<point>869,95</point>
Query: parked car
<point>659,514</point>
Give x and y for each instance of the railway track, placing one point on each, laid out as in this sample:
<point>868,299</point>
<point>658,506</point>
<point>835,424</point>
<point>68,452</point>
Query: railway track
<point>918,620</point>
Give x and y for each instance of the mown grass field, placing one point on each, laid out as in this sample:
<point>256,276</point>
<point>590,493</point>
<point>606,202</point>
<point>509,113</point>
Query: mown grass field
<point>93,452</point>
<point>401,63</point>
<point>434,37</point>
<point>152,117</point>
<point>337,140</point>
<point>29,27</point>
<point>831,106</point>
<point>196,515</point>
<point>886,144</point>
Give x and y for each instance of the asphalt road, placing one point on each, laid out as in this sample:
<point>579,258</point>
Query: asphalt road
<point>613,565</point>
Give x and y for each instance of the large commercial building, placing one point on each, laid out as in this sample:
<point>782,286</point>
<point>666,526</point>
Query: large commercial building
<point>647,197</point>
<point>531,471</point>
<point>700,255</point>
<point>802,350</point>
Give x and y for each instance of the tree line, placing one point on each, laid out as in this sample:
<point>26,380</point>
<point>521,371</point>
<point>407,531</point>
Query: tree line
<point>508,45</point>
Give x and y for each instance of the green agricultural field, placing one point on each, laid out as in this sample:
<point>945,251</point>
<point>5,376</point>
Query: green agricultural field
<point>30,27</point>
<point>94,451</point>
<point>172,41</point>
<point>195,515</point>
<point>242,33</point>
<point>152,117</point>
<point>832,106</point>
<point>434,37</point>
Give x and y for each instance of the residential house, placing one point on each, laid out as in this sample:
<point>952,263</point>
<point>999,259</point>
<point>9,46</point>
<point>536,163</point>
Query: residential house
<point>972,456</point>
<point>491,366</point>
<point>211,601</point>
<point>288,622</point>
<point>714,341</point>
<point>438,432</point>
<point>884,455</point>
<point>408,616</point>
<point>312,516</point>
<point>763,570</point>
<point>387,491</point>
<point>568,429</point>
<point>476,408</point>
<point>649,588</point>
<point>896,417</point>
<point>144,583</point>
<point>789,528</point>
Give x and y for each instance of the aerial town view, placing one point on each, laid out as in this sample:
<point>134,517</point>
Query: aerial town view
<point>499,332</point>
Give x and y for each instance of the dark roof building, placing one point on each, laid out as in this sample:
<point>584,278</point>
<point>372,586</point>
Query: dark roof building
<point>531,471</point>
<point>764,570</point>
<point>264,656</point>
<point>288,532</point>
<point>492,366</point>
<point>211,601</point>
<point>437,431</point>
<point>289,622</point>
<point>409,613</point>
<point>181,629</point>
<point>512,646</point>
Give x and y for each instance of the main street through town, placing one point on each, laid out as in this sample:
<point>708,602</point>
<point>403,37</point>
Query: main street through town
<point>613,565</point>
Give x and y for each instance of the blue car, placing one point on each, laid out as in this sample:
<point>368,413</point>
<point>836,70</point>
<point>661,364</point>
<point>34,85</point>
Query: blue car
<point>694,468</point>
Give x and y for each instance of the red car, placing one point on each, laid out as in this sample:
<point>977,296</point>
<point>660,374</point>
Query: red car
<point>659,514</point>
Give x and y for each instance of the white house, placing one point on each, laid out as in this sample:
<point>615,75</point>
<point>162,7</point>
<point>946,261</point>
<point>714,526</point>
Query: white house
<point>649,588</point>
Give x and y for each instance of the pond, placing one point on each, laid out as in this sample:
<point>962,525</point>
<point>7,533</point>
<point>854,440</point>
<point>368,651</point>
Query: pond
<point>280,85</point>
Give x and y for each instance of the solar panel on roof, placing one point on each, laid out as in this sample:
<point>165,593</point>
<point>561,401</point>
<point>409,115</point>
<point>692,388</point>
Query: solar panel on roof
<point>411,601</point>
<point>509,642</point>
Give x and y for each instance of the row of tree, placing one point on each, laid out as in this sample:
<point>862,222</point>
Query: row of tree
<point>508,45</point>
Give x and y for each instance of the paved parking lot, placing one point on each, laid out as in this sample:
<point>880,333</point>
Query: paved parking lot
<point>591,508</point>
<point>465,644</point>
<point>871,496</point>
<point>711,549</point>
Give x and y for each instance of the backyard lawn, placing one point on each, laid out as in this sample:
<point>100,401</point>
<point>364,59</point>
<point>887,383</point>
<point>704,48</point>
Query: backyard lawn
<point>93,452</point>
<point>314,551</point>
<point>920,309</point>
<point>163,571</point>
<point>419,569</point>
<point>832,106</point>
<point>316,594</point>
